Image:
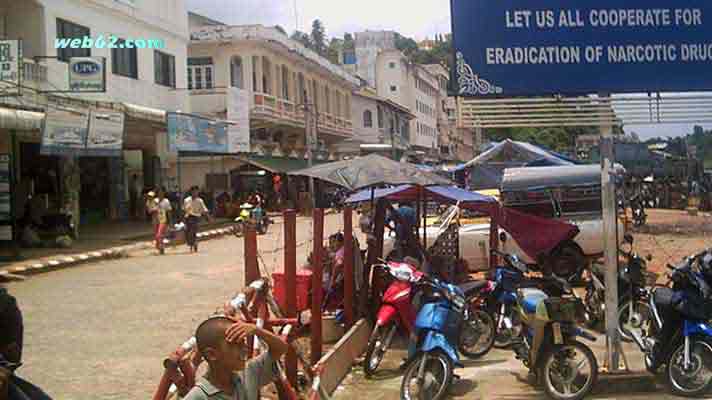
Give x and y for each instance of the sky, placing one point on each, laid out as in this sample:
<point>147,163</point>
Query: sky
<point>424,20</point>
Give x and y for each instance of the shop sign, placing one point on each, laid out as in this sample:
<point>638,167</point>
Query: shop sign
<point>6,217</point>
<point>106,134</point>
<point>10,67</point>
<point>238,113</point>
<point>87,74</point>
<point>64,132</point>
<point>192,133</point>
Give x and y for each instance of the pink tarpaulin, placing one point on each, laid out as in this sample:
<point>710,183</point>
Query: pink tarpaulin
<point>535,235</point>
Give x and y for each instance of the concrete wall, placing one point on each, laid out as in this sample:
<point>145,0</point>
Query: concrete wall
<point>16,23</point>
<point>194,170</point>
<point>150,19</point>
<point>363,134</point>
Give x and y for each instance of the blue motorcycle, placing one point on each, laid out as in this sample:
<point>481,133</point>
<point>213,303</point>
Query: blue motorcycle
<point>680,336</point>
<point>437,326</point>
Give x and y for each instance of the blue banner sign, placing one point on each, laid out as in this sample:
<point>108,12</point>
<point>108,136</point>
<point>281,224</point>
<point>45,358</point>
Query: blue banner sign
<point>193,133</point>
<point>543,47</point>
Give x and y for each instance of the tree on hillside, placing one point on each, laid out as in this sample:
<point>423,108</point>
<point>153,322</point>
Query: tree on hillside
<point>302,38</point>
<point>406,45</point>
<point>349,42</point>
<point>318,37</point>
<point>335,47</point>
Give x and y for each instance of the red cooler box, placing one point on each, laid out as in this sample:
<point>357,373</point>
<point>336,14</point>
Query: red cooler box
<point>279,282</point>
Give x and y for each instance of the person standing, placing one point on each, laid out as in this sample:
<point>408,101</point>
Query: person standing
<point>152,210</point>
<point>194,208</point>
<point>163,210</point>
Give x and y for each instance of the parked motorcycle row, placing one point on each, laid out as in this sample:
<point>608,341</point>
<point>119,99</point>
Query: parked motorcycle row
<point>542,319</point>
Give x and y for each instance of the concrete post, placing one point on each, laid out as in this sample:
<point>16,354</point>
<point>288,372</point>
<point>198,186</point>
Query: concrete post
<point>348,267</point>
<point>317,275</point>
<point>610,227</point>
<point>290,276</point>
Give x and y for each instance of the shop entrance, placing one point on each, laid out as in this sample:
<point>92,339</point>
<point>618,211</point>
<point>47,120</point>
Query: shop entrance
<point>95,190</point>
<point>39,178</point>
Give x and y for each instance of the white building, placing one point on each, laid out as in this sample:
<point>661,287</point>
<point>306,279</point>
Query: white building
<point>384,67</point>
<point>142,82</point>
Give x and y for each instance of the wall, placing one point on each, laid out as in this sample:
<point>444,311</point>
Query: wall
<point>194,170</point>
<point>151,19</point>
<point>19,16</point>
<point>358,106</point>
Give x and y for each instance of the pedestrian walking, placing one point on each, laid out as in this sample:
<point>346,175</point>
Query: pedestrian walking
<point>194,208</point>
<point>163,210</point>
<point>152,210</point>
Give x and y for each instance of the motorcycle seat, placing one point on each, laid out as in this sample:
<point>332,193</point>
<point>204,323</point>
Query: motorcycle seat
<point>531,298</point>
<point>473,287</point>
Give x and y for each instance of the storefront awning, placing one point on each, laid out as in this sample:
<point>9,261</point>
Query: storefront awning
<point>20,120</point>
<point>280,165</point>
<point>145,113</point>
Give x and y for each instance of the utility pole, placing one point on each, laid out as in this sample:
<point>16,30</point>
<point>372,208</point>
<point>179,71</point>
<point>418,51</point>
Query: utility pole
<point>610,234</point>
<point>310,125</point>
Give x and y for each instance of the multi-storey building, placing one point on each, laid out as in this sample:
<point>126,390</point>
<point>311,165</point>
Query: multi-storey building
<point>281,77</point>
<point>141,82</point>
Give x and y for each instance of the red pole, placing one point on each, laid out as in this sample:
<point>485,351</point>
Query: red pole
<point>317,275</point>
<point>290,275</point>
<point>252,270</point>
<point>348,267</point>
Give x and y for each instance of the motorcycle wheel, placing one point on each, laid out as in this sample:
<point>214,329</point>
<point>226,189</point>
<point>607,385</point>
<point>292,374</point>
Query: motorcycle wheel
<point>437,377</point>
<point>477,335</point>
<point>375,350</point>
<point>238,229</point>
<point>642,316</point>
<point>562,375</point>
<point>695,381</point>
<point>505,337</point>
<point>594,310</point>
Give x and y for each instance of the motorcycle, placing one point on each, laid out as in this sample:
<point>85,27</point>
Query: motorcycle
<point>637,206</point>
<point>241,221</point>
<point>633,309</point>
<point>396,313</point>
<point>680,336</point>
<point>246,217</point>
<point>437,326</point>
<point>549,346</point>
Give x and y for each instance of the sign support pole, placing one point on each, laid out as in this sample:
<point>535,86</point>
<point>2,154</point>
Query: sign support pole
<point>610,227</point>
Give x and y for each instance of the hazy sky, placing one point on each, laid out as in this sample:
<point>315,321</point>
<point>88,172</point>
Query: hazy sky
<point>413,18</point>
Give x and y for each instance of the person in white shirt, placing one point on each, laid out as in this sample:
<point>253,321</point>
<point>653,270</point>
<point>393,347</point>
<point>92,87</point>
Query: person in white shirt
<point>194,208</point>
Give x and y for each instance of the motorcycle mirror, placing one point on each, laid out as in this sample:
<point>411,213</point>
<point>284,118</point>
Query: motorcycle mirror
<point>502,237</point>
<point>628,238</point>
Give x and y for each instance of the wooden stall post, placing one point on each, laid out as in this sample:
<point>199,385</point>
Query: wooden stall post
<point>375,251</point>
<point>494,240</point>
<point>317,275</point>
<point>290,276</point>
<point>348,267</point>
<point>252,269</point>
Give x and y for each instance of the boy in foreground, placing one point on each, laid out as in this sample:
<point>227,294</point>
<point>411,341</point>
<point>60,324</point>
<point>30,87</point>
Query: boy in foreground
<point>222,343</point>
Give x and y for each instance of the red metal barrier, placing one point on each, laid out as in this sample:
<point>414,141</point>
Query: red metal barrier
<point>290,272</point>
<point>348,267</point>
<point>252,269</point>
<point>317,275</point>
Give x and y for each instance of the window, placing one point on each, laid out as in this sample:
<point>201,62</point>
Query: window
<point>165,69</point>
<point>124,61</point>
<point>302,88</point>
<point>380,117</point>
<point>367,119</point>
<point>255,61</point>
<point>394,88</point>
<point>391,65</point>
<point>69,30</point>
<point>200,73</point>
<point>285,83</point>
<point>315,94</point>
<point>327,100</point>
<point>236,74</point>
<point>266,76</point>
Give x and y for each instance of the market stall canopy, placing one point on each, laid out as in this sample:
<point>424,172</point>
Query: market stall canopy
<point>444,194</point>
<point>372,170</point>
<point>540,178</point>
<point>488,167</point>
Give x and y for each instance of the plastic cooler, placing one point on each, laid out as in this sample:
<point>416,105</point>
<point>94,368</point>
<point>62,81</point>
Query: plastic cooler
<point>279,282</point>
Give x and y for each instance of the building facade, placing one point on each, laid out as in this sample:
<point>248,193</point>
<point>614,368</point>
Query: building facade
<point>282,78</point>
<point>141,82</point>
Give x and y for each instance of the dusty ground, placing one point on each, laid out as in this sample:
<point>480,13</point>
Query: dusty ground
<point>671,235</point>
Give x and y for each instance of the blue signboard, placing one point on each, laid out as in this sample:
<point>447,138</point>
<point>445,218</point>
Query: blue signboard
<point>193,133</point>
<point>542,47</point>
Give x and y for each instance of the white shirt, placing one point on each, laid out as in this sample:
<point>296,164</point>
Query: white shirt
<point>194,207</point>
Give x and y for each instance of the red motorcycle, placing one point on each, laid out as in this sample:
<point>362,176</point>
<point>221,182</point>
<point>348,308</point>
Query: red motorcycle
<point>396,312</point>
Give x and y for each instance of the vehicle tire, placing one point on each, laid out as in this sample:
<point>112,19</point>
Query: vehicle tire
<point>238,229</point>
<point>700,371</point>
<point>551,366</point>
<point>642,316</point>
<point>567,262</point>
<point>438,377</point>
<point>477,334</point>
<point>375,350</point>
<point>505,337</point>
